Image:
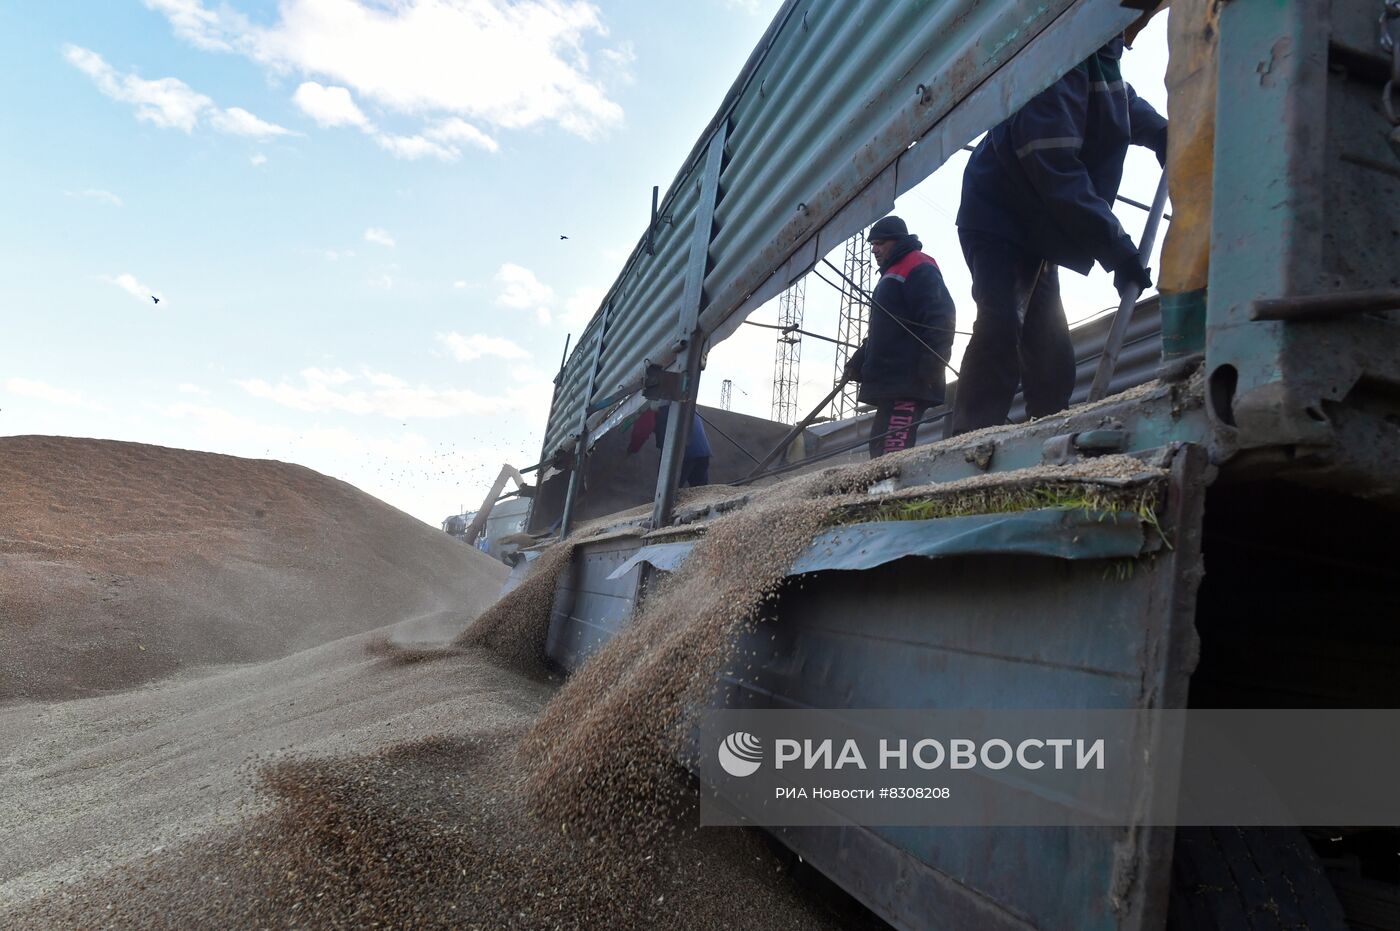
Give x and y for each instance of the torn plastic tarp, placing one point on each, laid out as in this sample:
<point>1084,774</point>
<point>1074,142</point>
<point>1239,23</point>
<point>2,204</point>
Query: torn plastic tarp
<point>1059,533</point>
<point>520,570</point>
<point>664,556</point>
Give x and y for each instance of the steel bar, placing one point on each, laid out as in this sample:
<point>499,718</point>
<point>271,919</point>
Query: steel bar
<point>581,452</point>
<point>1141,206</point>
<point>1119,329</point>
<point>791,329</point>
<point>797,428</point>
<point>678,424</point>
<point>1325,306</point>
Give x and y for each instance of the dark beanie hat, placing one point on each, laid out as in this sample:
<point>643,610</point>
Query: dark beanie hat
<point>890,227</point>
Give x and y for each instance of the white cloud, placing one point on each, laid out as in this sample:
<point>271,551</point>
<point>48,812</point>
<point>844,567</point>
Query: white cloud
<point>102,197</point>
<point>167,102</point>
<point>386,395</point>
<point>128,283</point>
<point>333,106</point>
<point>522,290</point>
<point>380,236</point>
<point>467,348</point>
<point>235,121</point>
<point>329,106</point>
<point>192,22</point>
<point>258,159</point>
<point>507,64</point>
<point>458,130</point>
<point>621,56</point>
<point>42,391</point>
<point>412,148</point>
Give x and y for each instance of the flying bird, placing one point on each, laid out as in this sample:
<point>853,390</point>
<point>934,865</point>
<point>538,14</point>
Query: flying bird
<point>154,298</point>
<point>563,236</point>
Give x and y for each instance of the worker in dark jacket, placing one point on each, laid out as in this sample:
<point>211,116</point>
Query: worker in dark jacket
<point>900,364</point>
<point>695,464</point>
<point>1038,193</point>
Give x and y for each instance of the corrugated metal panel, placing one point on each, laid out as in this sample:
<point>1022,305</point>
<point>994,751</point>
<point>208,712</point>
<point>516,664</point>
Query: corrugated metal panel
<point>837,95</point>
<point>645,316</point>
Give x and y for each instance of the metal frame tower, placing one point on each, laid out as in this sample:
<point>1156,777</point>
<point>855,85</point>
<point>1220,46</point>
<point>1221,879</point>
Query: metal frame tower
<point>852,319</point>
<point>789,352</point>
<point>726,394</point>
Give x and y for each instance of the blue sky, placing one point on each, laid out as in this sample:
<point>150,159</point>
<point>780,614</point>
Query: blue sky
<point>351,212</point>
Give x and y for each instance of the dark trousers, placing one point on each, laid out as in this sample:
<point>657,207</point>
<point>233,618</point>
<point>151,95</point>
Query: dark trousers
<point>695,472</point>
<point>1020,336</point>
<point>896,426</point>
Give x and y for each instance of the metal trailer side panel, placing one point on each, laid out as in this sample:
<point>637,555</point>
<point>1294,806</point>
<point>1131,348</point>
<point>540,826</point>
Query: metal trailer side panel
<point>992,633</point>
<point>590,608</point>
<point>952,633</point>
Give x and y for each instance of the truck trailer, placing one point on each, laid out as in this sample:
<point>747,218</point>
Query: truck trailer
<point>1261,408</point>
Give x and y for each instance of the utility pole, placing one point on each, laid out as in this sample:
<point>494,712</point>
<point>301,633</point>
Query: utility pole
<point>726,394</point>
<point>853,318</point>
<point>789,353</point>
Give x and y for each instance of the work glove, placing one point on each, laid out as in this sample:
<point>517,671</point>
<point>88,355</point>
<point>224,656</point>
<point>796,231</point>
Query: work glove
<point>1131,271</point>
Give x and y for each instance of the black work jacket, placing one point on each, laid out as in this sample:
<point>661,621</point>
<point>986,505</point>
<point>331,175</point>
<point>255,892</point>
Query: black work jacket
<point>911,331</point>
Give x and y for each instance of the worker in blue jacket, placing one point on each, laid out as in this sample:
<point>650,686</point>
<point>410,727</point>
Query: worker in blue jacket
<point>1038,193</point>
<point>900,364</point>
<point>695,463</point>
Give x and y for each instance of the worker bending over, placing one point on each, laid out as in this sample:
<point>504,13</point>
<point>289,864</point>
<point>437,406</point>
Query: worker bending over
<point>900,364</point>
<point>1038,193</point>
<point>695,464</point>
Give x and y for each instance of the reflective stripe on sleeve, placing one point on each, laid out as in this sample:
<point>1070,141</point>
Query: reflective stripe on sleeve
<point>1059,142</point>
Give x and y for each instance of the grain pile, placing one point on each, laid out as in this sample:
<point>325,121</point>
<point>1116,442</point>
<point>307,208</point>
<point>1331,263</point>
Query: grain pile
<point>514,628</point>
<point>430,834</point>
<point>372,780</point>
<point>364,784</point>
<point>122,563</point>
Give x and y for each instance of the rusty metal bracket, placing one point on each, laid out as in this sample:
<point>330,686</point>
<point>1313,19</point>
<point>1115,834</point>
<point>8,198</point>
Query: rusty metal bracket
<point>1070,447</point>
<point>661,385</point>
<point>1325,306</point>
